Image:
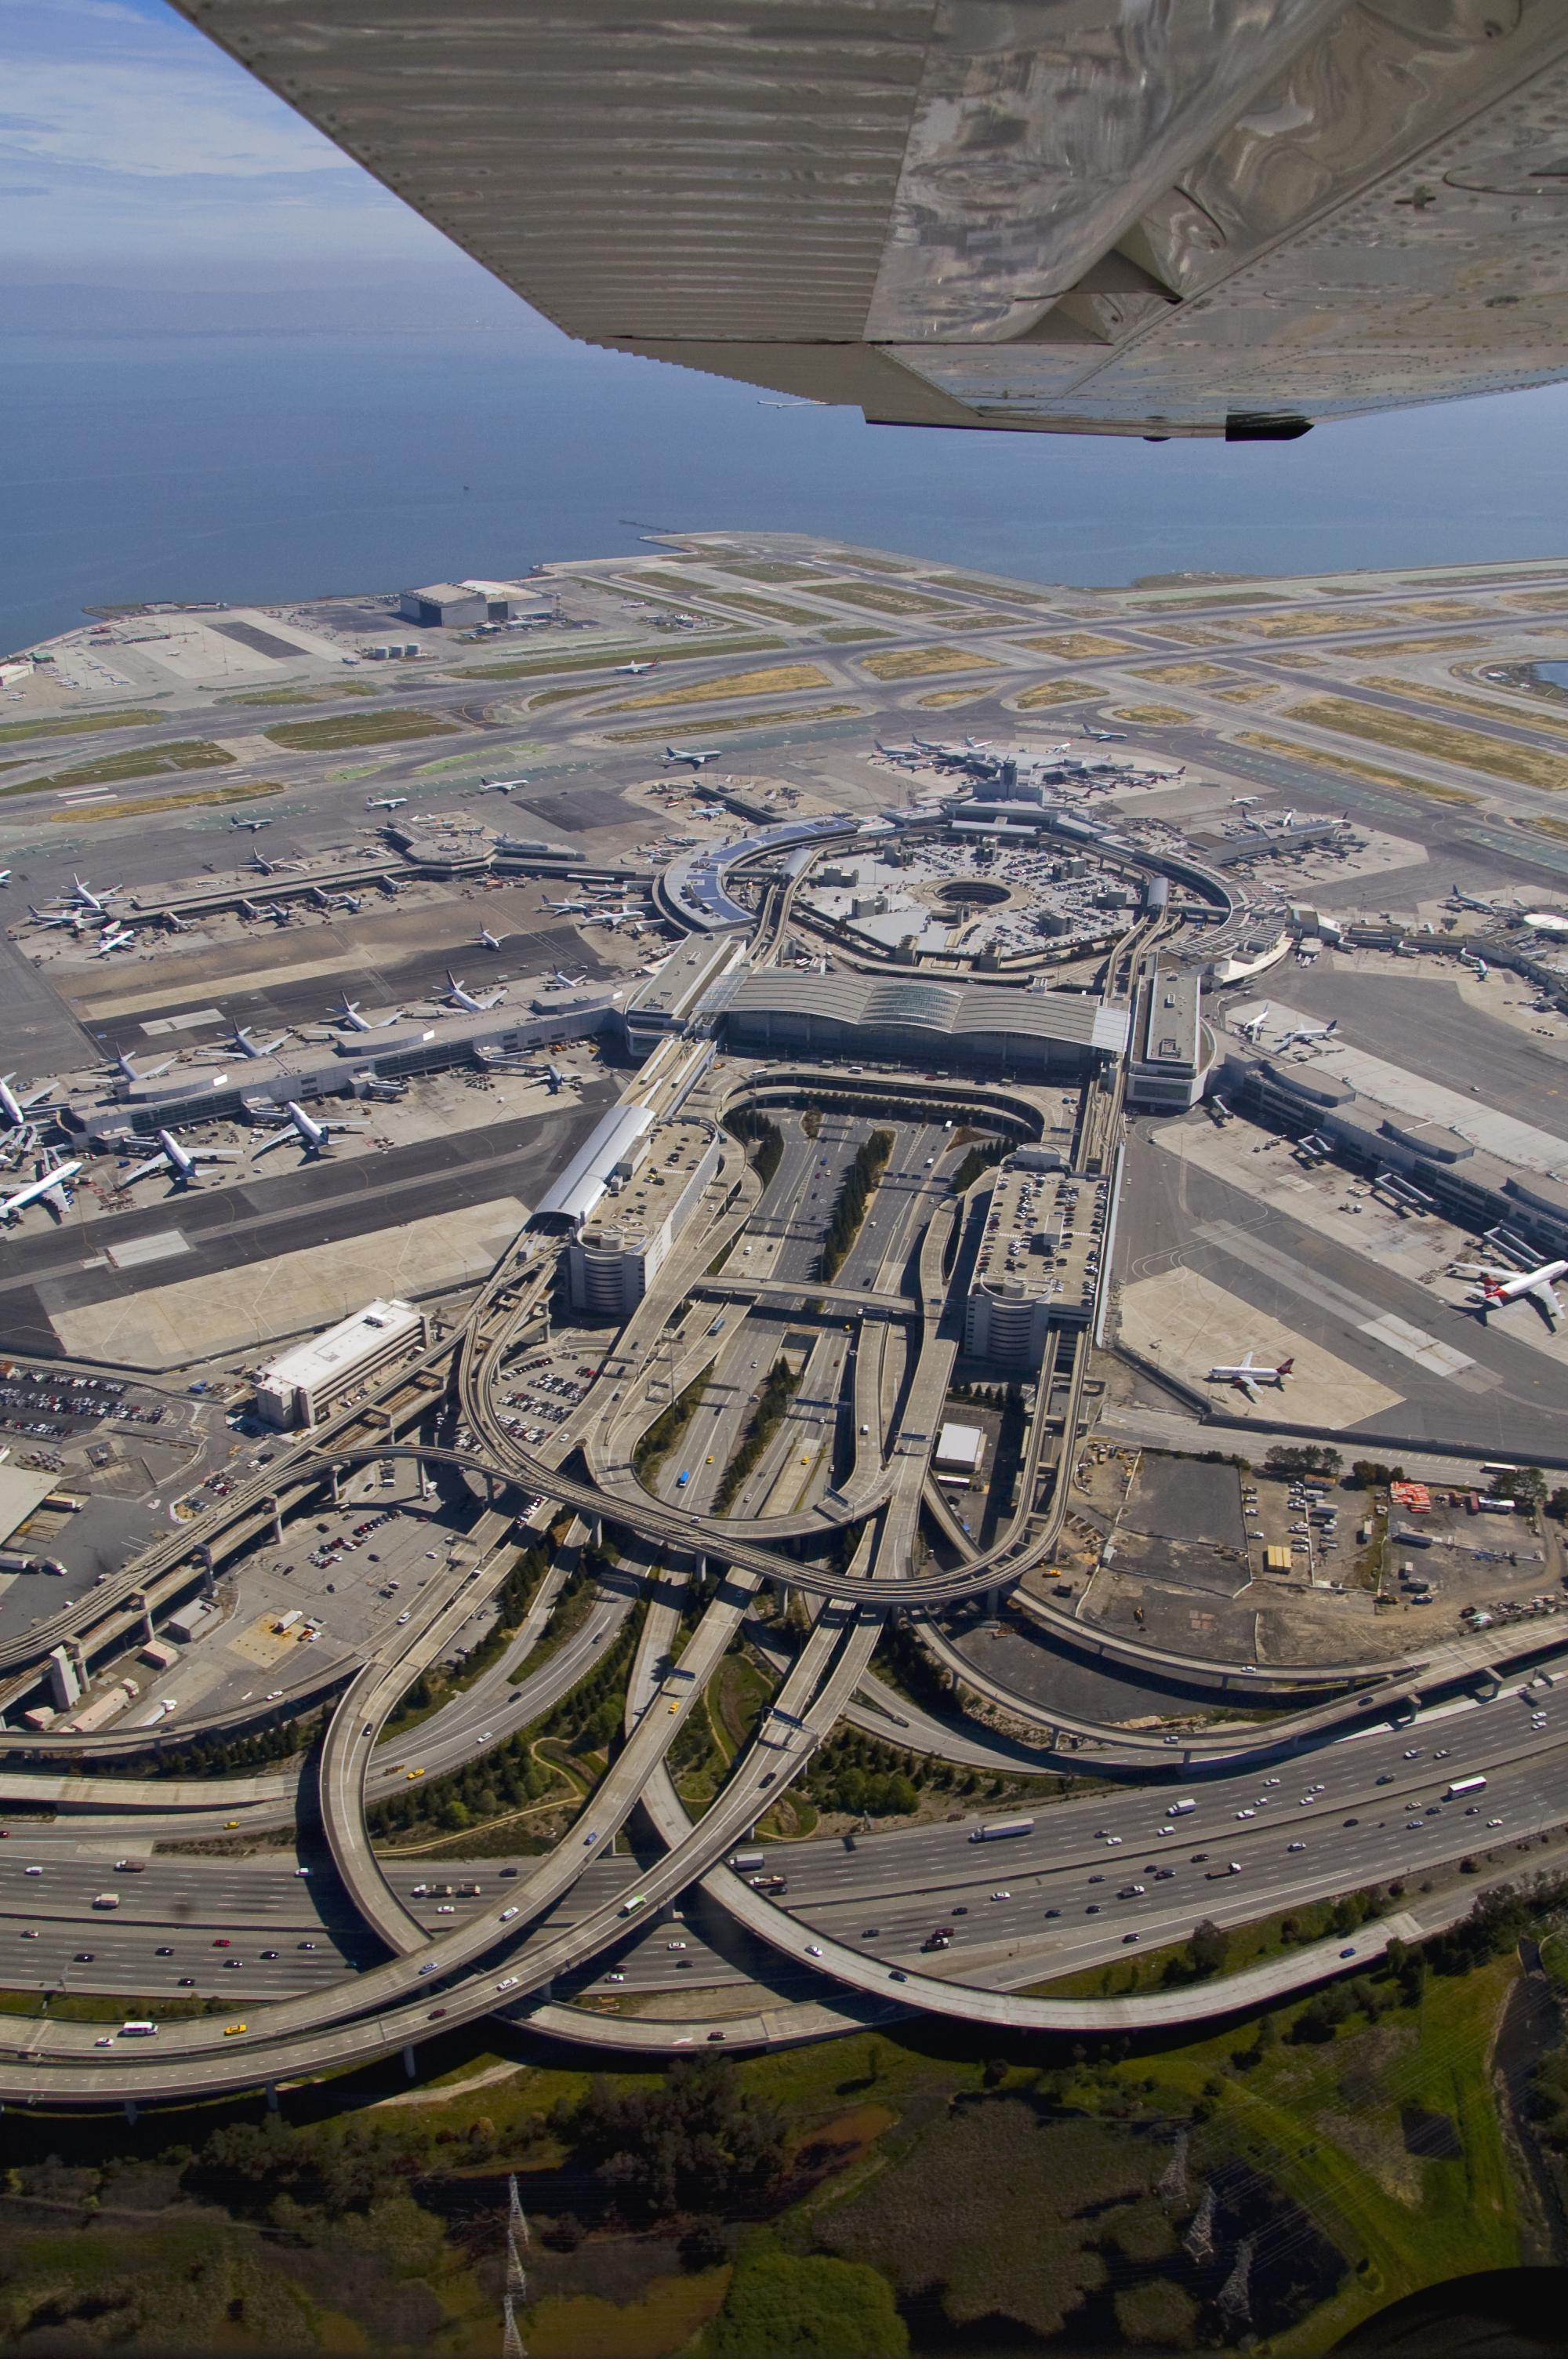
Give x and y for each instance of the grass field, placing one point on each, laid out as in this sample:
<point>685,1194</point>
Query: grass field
<point>1153,716</point>
<point>304,695</point>
<point>1057,692</point>
<point>76,724</point>
<point>1195,634</point>
<point>561,696</point>
<point>1443,610</point>
<point>1182,674</point>
<point>776,679</point>
<point>764,568</point>
<point>848,634</point>
<point>144,762</point>
<point>1076,647</point>
<point>945,696</point>
<point>921,663</point>
<point>1439,740</point>
<point>883,599</point>
<point>1009,592</point>
<point>612,659</point>
<point>1524,712</point>
<point>581,2326</point>
<point>1319,624</point>
<point>776,610</point>
<point>1418,647</point>
<point>1536,601</point>
<point>1259,693</point>
<point>1349,769</point>
<point>389,728</point>
<point>713,728</point>
<point>147,806</point>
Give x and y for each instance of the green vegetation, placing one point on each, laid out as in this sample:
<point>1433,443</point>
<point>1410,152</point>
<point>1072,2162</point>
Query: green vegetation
<point>861,1776</point>
<point>854,1195</point>
<point>715,1730</point>
<point>700,2140</point>
<point>997,2191</point>
<point>979,1158</point>
<point>1303,1457</point>
<point>778,1389</point>
<point>75,725</point>
<point>612,659</point>
<point>433,1686</point>
<point>756,1132</point>
<point>389,728</point>
<point>504,1784</point>
<point>139,762</point>
<point>790,2308</point>
<point>235,1757</point>
<point>656,1440</point>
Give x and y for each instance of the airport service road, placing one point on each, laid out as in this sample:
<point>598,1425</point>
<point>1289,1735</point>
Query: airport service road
<point>316,1204</point>
<point>1174,1213</point>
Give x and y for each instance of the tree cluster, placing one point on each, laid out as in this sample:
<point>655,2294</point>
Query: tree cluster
<point>762,1138</point>
<point>698,2143</point>
<point>1303,1457</point>
<point>979,1158</point>
<point>510,1777</point>
<point>778,1390</point>
<point>656,1440</point>
<point>854,1194</point>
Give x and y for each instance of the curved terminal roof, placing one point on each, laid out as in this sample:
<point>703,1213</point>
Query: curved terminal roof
<point>953,1010</point>
<point>694,884</point>
<point>573,1197</point>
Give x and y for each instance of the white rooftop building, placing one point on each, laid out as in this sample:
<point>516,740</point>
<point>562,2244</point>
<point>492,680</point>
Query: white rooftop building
<point>301,1386</point>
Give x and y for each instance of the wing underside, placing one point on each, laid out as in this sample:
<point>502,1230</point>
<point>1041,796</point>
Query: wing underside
<point>1183,217</point>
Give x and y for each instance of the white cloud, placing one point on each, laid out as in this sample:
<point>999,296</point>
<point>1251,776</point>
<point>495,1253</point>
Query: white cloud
<point>99,87</point>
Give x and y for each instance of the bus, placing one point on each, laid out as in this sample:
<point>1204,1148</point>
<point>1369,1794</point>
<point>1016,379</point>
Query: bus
<point>138,2031</point>
<point>998,1830</point>
<point>1462,1786</point>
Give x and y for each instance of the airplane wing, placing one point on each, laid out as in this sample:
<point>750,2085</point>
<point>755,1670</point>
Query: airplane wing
<point>216,1154</point>
<point>1550,1301</point>
<point>142,1170</point>
<point>1188,217</point>
<point>280,1138</point>
<point>1247,1387</point>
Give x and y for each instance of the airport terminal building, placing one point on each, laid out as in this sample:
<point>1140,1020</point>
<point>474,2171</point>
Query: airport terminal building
<point>971,1028</point>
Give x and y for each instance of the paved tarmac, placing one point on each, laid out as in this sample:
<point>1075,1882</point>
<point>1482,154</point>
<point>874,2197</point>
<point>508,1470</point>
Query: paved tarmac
<point>317,1203</point>
<point>1173,1212</point>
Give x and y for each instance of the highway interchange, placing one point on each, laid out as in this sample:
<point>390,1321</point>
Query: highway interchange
<point>1341,1784</point>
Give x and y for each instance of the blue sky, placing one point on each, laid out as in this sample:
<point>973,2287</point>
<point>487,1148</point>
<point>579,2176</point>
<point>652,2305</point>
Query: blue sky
<point>135,153</point>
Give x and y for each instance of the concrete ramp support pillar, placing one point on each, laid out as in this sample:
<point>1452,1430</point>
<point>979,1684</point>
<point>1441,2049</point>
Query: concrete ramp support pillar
<point>334,1478</point>
<point>409,2066</point>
